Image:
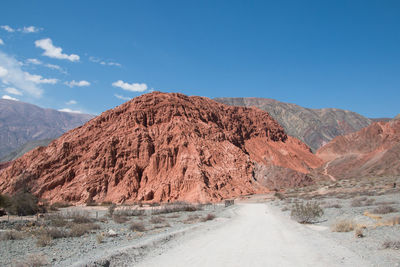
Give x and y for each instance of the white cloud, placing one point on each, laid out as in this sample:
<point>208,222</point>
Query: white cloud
<point>71,102</point>
<point>54,52</point>
<point>39,79</point>
<point>7,28</point>
<point>74,83</point>
<point>12,75</point>
<point>69,110</point>
<point>122,97</point>
<point>102,62</point>
<point>30,29</point>
<point>34,61</point>
<point>9,98</point>
<point>1,42</point>
<point>133,87</point>
<point>12,90</point>
<point>3,72</point>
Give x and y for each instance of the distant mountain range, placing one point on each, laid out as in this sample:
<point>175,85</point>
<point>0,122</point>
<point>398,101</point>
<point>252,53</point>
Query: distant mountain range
<point>21,123</point>
<point>315,127</point>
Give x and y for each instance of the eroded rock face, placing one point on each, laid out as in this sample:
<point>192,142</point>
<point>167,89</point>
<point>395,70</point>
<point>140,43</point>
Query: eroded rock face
<point>372,151</point>
<point>160,147</point>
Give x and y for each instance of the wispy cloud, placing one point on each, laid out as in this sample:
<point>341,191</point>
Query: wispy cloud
<point>53,51</point>
<point>25,29</point>
<point>71,102</point>
<point>1,42</point>
<point>39,79</point>
<point>74,83</point>
<point>69,110</point>
<point>122,97</point>
<point>104,62</point>
<point>7,28</point>
<point>30,29</point>
<point>13,91</point>
<point>11,74</point>
<point>9,98</point>
<point>36,61</point>
<point>133,87</point>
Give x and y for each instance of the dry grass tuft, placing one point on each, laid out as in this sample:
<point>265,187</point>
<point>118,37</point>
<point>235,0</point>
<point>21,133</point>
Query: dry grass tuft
<point>43,240</point>
<point>35,260</point>
<point>137,227</point>
<point>99,238</point>
<point>362,202</point>
<point>11,235</point>
<point>156,220</point>
<point>78,230</point>
<point>118,218</point>
<point>391,245</point>
<point>343,226</point>
<point>209,217</point>
<point>384,209</point>
<point>358,232</point>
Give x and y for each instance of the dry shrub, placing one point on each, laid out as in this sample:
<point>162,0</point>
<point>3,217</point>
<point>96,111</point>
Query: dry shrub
<point>118,218</point>
<point>176,207</point>
<point>384,210</point>
<point>306,213</point>
<point>343,226</point>
<point>209,217</point>
<point>391,245</point>
<point>78,230</point>
<point>156,220</point>
<point>191,219</point>
<point>43,240</point>
<point>35,260</point>
<point>137,227</point>
<point>279,196</point>
<point>99,238</point>
<point>11,235</point>
<point>111,210</point>
<point>129,212</point>
<point>79,217</point>
<point>362,202</point>
<point>57,220</point>
<point>22,204</point>
<point>358,232</point>
<point>334,205</point>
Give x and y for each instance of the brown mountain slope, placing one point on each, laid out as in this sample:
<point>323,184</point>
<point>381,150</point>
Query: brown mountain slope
<point>162,147</point>
<point>372,151</point>
<point>22,122</point>
<point>315,127</point>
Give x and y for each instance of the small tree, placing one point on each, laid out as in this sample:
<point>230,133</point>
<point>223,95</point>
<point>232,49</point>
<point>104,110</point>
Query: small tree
<point>306,213</point>
<point>23,203</point>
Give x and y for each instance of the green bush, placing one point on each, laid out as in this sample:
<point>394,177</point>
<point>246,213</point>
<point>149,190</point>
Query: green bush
<point>306,213</point>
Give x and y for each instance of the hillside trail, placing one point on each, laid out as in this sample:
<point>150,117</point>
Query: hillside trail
<point>326,172</point>
<point>258,235</point>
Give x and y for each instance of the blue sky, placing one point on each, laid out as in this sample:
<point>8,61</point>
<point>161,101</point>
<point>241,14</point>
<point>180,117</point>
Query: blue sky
<point>342,54</point>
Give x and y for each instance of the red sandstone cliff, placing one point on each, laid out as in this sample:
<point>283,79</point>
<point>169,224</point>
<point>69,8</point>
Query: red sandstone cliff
<point>162,147</point>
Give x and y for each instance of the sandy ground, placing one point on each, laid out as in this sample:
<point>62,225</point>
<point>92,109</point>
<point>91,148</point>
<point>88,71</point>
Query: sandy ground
<point>257,235</point>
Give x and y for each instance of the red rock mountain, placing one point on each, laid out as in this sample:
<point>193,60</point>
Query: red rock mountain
<point>372,151</point>
<point>164,147</point>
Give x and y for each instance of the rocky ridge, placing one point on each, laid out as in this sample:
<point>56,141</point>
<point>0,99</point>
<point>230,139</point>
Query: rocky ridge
<point>315,127</point>
<point>163,147</point>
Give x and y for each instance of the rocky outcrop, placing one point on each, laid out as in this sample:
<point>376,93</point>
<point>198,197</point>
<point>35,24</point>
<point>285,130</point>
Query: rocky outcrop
<point>372,151</point>
<point>22,122</point>
<point>162,147</point>
<point>315,127</point>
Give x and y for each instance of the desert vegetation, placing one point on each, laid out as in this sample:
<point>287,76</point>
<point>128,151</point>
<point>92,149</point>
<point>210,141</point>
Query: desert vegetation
<point>306,212</point>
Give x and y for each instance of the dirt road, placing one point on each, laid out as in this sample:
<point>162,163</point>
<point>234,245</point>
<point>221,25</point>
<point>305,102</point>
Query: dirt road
<point>258,235</point>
